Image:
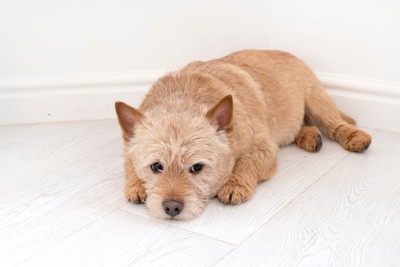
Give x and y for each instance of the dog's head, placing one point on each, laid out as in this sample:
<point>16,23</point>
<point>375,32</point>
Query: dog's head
<point>182,158</point>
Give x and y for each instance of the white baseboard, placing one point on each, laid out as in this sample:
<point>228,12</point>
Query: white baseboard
<point>91,97</point>
<point>71,98</point>
<point>372,104</point>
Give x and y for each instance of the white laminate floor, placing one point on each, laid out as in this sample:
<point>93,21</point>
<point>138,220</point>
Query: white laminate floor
<point>61,204</point>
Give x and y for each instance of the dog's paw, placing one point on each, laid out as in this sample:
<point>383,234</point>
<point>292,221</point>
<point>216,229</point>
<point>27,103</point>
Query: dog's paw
<point>135,193</point>
<point>358,141</point>
<point>352,139</point>
<point>234,193</point>
<point>309,139</point>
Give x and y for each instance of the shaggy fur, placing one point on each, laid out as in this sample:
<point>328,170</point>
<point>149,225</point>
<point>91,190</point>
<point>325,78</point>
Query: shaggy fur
<point>231,115</point>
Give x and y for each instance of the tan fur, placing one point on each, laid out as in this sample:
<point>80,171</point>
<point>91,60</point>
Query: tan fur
<point>309,138</point>
<point>230,114</point>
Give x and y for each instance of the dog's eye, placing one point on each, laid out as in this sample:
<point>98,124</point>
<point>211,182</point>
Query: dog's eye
<point>195,168</point>
<point>156,167</point>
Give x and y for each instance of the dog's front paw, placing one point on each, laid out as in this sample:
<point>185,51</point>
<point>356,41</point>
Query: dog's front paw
<point>234,193</point>
<point>135,192</point>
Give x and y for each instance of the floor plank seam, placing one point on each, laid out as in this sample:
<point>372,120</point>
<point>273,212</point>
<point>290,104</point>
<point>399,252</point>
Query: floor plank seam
<point>312,184</point>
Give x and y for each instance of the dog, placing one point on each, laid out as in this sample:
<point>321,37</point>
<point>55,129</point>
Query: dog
<point>214,129</point>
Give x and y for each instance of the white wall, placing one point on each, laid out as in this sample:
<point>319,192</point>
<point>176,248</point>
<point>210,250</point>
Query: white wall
<point>360,39</point>
<point>45,38</point>
<point>70,60</point>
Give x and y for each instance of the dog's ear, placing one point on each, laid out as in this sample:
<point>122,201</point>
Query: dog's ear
<point>221,113</point>
<point>128,118</point>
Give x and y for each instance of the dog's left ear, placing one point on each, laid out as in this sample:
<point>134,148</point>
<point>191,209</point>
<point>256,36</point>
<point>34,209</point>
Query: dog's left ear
<point>128,118</point>
<point>221,113</point>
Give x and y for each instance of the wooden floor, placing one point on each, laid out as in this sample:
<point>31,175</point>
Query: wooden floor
<point>61,204</point>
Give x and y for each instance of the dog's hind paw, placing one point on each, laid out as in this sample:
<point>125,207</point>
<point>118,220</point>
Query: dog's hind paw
<point>135,192</point>
<point>233,193</point>
<point>309,138</point>
<point>351,138</point>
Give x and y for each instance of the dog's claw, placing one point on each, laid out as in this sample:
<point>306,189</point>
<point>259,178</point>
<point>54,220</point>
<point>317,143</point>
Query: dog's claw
<point>318,143</point>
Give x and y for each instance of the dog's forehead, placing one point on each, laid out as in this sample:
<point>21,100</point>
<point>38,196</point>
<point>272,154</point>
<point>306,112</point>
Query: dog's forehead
<point>178,125</point>
<point>175,136</point>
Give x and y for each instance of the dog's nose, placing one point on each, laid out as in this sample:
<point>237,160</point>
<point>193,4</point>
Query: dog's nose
<point>172,207</point>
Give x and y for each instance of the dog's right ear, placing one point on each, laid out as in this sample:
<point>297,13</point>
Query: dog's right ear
<point>128,118</point>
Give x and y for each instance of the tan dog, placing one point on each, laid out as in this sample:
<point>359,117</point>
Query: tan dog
<point>214,128</point>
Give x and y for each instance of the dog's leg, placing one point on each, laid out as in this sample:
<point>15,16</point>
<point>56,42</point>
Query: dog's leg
<point>322,111</point>
<point>309,138</point>
<point>347,118</point>
<point>247,172</point>
<point>134,189</point>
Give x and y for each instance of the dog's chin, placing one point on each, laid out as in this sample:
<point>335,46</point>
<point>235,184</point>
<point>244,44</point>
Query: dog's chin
<point>191,209</point>
<point>180,217</point>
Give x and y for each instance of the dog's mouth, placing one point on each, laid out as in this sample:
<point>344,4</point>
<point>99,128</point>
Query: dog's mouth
<point>173,219</point>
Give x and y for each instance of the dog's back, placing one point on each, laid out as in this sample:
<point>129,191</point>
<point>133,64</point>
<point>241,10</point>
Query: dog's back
<point>268,88</point>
